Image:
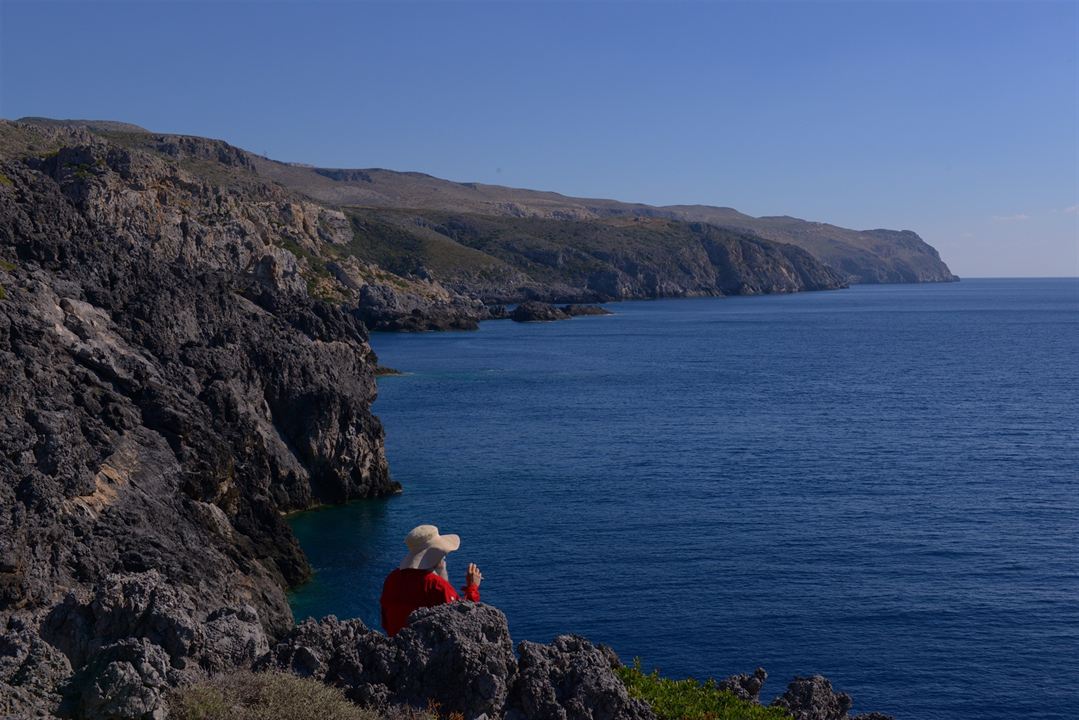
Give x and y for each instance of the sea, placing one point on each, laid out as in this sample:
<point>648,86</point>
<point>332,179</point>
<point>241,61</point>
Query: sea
<point>878,484</point>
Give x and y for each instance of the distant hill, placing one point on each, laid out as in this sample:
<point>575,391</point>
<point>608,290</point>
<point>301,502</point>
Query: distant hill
<point>95,125</point>
<point>861,256</point>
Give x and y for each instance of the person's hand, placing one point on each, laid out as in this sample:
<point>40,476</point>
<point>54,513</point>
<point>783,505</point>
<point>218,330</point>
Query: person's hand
<point>474,576</point>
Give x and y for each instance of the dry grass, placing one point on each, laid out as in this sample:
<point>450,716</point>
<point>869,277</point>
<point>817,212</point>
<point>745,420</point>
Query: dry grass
<point>245,695</point>
<point>264,696</point>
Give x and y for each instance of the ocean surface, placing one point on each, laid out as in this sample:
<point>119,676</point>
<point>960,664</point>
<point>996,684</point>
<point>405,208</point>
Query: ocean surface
<point>878,484</point>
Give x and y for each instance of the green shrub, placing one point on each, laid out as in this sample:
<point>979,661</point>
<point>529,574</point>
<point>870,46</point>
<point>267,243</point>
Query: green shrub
<point>3,292</point>
<point>5,180</point>
<point>691,700</point>
<point>263,696</point>
<point>7,266</point>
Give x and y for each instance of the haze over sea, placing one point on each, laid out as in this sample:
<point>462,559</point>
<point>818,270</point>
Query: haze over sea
<point>878,484</point>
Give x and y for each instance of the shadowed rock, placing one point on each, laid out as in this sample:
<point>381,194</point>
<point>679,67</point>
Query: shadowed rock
<point>812,698</point>
<point>164,401</point>
<point>745,687</point>
<point>460,656</point>
<point>536,311</point>
<point>570,678</point>
<point>578,310</point>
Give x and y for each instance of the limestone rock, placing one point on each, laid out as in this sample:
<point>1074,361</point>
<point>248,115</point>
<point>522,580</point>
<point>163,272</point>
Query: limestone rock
<point>745,687</point>
<point>163,404</point>
<point>128,679</point>
<point>570,678</point>
<point>812,698</point>
<point>535,311</point>
<point>460,656</point>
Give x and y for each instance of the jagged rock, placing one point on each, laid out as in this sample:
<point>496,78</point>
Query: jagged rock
<point>344,653</point>
<point>576,310</point>
<point>461,656</point>
<point>536,311</point>
<point>745,687</point>
<point>163,404</point>
<point>382,307</point>
<point>144,606</point>
<point>570,678</point>
<point>31,671</point>
<point>812,698</point>
<point>458,655</point>
<point>128,679</point>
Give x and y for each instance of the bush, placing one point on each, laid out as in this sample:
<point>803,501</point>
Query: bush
<point>691,700</point>
<point>263,696</point>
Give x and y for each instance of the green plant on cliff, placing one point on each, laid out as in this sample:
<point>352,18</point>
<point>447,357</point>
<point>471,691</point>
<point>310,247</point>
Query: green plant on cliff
<point>5,180</point>
<point>691,700</point>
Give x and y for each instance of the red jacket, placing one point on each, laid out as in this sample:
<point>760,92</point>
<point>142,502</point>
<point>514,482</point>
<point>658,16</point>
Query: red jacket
<point>407,590</point>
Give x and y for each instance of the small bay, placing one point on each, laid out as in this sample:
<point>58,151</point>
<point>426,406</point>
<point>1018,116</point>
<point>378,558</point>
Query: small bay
<point>878,484</point>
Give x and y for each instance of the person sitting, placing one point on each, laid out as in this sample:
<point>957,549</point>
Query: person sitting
<point>422,579</point>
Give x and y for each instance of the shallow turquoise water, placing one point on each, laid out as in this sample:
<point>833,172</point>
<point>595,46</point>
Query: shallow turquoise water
<point>879,484</point>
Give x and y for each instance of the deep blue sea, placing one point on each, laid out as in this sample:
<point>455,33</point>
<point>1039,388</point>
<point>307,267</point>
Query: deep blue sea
<point>879,484</point>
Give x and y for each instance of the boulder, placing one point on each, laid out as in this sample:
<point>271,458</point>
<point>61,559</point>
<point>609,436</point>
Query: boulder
<point>812,698</point>
<point>570,679</point>
<point>146,607</point>
<point>128,679</point>
<point>459,656</point>
<point>745,687</point>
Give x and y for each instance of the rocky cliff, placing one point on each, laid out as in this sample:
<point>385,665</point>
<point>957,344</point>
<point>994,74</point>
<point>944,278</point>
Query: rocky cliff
<point>170,389</point>
<point>426,268</point>
<point>184,358</point>
<point>859,256</point>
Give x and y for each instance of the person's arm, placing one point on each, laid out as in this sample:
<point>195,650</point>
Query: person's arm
<point>439,591</point>
<point>473,578</point>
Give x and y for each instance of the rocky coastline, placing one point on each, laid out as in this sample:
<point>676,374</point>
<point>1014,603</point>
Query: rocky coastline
<point>184,355</point>
<point>536,311</point>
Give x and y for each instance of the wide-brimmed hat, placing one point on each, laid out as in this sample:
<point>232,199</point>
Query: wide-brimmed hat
<point>426,548</point>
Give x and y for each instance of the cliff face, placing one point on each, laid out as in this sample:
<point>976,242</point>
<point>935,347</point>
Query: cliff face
<point>167,394</point>
<point>414,269</point>
<point>861,256</point>
<point>858,256</point>
<point>511,260</point>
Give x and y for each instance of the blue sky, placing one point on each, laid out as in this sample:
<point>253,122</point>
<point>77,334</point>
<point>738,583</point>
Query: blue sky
<point>959,120</point>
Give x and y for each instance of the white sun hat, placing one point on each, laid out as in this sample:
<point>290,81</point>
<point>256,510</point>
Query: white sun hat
<point>426,548</point>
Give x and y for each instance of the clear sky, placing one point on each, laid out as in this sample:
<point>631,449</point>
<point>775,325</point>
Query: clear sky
<point>959,120</point>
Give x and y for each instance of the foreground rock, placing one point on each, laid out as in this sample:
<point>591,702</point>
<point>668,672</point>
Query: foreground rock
<point>745,687</point>
<point>460,656</point>
<point>812,698</point>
